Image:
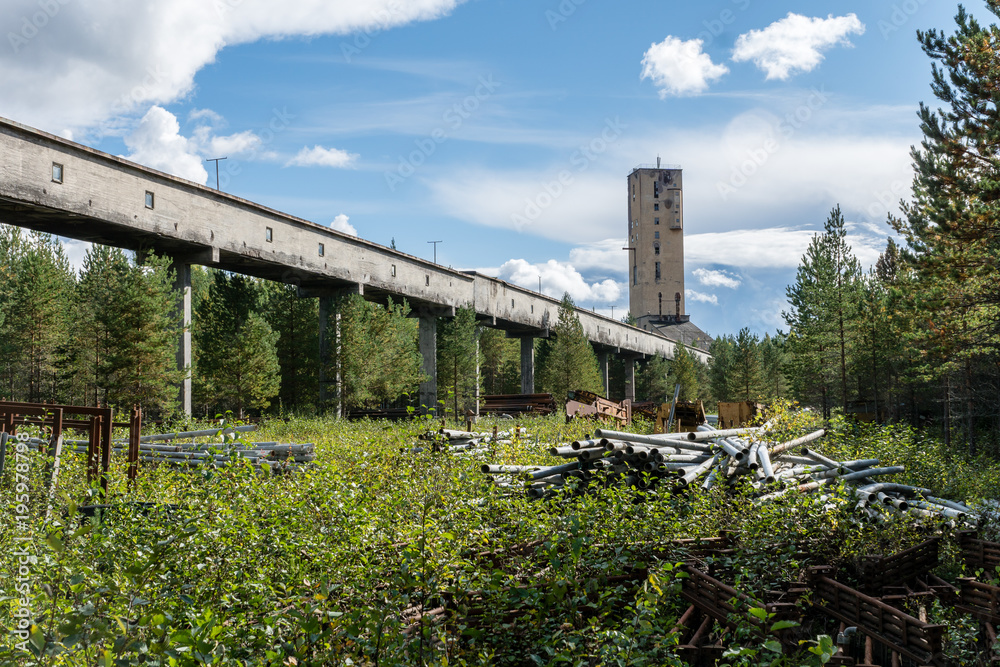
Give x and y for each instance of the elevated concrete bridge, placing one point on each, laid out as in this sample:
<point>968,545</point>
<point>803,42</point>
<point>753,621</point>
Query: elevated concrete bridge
<point>57,186</point>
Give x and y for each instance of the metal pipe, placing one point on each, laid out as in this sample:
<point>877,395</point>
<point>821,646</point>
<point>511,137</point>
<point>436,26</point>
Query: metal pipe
<point>792,444</point>
<point>654,440</point>
<point>898,488</point>
<point>816,456</point>
<point>493,470</point>
<point>955,505</point>
<point>898,503</point>
<point>872,472</point>
<point>198,434</point>
<point>696,436</point>
<point>586,444</point>
<point>765,464</point>
<point>697,471</point>
<point>554,470</point>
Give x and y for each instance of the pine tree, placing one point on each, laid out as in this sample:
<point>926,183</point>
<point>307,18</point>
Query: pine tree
<point>36,314</point>
<point>568,363</point>
<point>140,361</point>
<point>952,224</point>
<point>653,382</point>
<point>824,302</point>
<point>684,372</point>
<point>457,357</point>
<point>500,362</point>
<point>747,378</point>
<point>772,361</point>
<point>379,360</point>
<point>720,369</point>
<point>235,356</point>
<point>296,321</point>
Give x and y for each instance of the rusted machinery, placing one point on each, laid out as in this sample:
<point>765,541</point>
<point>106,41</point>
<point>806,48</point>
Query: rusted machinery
<point>589,404</point>
<point>517,404</point>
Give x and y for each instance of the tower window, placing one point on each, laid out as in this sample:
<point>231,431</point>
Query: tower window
<point>656,248</point>
<point>656,206</point>
<point>150,199</point>
<point>57,172</point>
<point>657,270</point>
<point>322,250</point>
<point>268,234</point>
<point>656,221</point>
<point>656,235</point>
<point>635,274</point>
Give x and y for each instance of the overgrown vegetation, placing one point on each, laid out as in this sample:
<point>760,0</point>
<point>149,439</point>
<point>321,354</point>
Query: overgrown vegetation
<point>350,562</point>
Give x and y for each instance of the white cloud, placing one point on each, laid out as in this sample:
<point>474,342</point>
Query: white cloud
<point>558,278</point>
<point>680,68</point>
<point>92,61</point>
<point>795,43</point>
<point>317,156</point>
<point>341,224</point>
<point>717,278</point>
<point>701,298</point>
<point>773,248</point>
<point>157,143</point>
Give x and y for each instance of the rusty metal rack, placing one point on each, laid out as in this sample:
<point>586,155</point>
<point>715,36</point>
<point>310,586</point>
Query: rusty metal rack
<point>724,603</point>
<point>899,569</point>
<point>589,404</point>
<point>96,422</point>
<point>517,404</point>
<point>980,600</point>
<point>896,629</point>
<point>978,553</point>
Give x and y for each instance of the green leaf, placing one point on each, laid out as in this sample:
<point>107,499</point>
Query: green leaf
<point>784,625</point>
<point>55,543</point>
<point>758,612</point>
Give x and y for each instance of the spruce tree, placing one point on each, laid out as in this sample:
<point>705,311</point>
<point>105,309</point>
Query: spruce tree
<point>747,380</point>
<point>683,369</point>
<point>568,361</point>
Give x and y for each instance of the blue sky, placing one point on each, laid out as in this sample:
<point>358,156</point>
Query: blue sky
<point>453,121</point>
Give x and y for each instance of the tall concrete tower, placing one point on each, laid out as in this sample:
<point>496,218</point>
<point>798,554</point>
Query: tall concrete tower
<point>656,245</point>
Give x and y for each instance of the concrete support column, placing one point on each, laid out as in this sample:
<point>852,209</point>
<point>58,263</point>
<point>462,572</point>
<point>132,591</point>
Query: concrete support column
<point>630,378</point>
<point>479,377</point>
<point>183,286</point>
<point>527,365</point>
<point>329,369</point>
<point>603,365</point>
<point>428,350</point>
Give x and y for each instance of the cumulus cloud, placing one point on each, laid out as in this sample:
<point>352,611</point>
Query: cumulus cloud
<point>341,224</point>
<point>701,298</point>
<point>558,278</point>
<point>317,156</point>
<point>717,278</point>
<point>795,43</point>
<point>157,143</point>
<point>680,68</point>
<point>91,61</point>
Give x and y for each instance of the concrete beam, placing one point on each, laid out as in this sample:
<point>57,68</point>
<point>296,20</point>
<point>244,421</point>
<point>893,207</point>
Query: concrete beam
<point>527,365</point>
<point>428,350</point>
<point>182,284</point>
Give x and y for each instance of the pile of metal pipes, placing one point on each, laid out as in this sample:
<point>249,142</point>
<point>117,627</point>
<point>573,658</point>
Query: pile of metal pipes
<point>709,457</point>
<point>222,449</point>
<point>465,442</point>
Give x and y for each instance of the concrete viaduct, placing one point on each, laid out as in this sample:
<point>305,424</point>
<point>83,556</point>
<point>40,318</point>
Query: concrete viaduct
<point>57,186</point>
